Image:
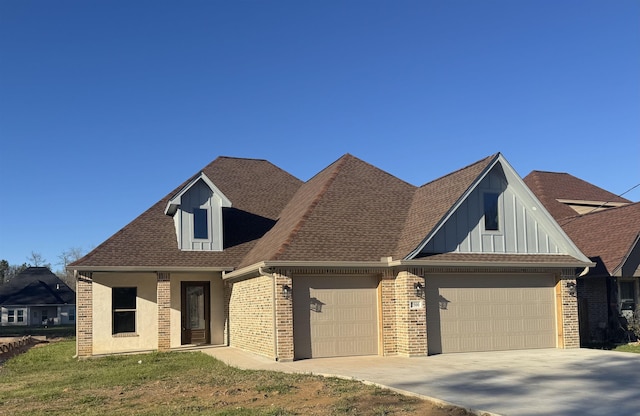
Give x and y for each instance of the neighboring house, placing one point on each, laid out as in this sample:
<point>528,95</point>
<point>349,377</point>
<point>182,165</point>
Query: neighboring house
<point>37,297</point>
<point>353,261</point>
<point>606,228</point>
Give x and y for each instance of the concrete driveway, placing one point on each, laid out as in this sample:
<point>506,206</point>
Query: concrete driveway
<point>528,382</point>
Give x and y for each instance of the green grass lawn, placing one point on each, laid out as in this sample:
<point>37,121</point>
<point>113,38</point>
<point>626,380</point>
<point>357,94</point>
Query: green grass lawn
<point>63,331</point>
<point>628,348</point>
<point>48,380</point>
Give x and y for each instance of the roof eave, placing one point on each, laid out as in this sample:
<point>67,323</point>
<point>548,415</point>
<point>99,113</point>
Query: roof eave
<point>502,264</point>
<point>253,269</point>
<point>124,269</point>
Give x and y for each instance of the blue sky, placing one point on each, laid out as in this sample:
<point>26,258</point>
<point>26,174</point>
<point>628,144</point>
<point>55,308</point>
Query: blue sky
<point>106,106</point>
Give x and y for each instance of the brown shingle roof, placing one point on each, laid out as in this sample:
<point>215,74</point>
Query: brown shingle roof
<point>433,200</point>
<point>551,186</point>
<point>258,190</point>
<point>606,234</point>
<point>351,211</point>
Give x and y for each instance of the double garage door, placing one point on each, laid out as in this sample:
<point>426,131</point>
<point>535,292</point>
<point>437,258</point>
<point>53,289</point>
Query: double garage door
<point>490,313</point>
<point>338,316</point>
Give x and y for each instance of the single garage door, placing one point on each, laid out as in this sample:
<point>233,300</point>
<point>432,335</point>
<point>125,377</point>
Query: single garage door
<point>335,316</point>
<point>490,313</point>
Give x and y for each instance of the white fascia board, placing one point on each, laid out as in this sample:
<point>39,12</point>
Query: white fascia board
<point>176,200</point>
<point>453,208</point>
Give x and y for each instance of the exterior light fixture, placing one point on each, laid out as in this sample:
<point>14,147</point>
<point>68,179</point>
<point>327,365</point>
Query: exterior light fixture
<point>572,288</point>
<point>419,288</point>
<point>286,291</point>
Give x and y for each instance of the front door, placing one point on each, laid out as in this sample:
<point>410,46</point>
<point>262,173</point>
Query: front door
<point>195,313</point>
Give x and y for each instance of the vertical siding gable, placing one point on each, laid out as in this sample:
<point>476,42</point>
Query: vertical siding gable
<point>200,195</point>
<point>522,229</point>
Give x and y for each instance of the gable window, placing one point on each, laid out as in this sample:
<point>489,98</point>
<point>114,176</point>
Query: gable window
<point>491,212</point>
<point>123,301</point>
<point>200,223</point>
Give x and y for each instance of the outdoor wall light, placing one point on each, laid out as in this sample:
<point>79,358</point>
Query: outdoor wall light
<point>418,288</point>
<point>286,291</point>
<point>572,288</point>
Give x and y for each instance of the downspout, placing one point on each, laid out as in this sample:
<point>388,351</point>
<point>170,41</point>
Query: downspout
<point>275,326</point>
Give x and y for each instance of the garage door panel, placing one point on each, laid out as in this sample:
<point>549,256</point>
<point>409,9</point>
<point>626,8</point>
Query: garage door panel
<point>345,324</point>
<point>489,312</point>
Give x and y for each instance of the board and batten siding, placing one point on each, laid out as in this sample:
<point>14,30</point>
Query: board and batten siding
<point>520,230</point>
<point>199,196</point>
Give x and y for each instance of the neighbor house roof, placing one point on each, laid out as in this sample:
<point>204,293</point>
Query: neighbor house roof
<point>36,286</point>
<point>608,235</point>
<point>550,187</point>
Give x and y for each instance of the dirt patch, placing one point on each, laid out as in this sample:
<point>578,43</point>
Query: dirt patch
<point>311,398</point>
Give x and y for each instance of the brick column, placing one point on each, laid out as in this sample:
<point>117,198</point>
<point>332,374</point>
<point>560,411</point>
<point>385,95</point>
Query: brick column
<point>284,319</point>
<point>570,323</point>
<point>164,310</point>
<point>388,314</point>
<point>411,322</point>
<point>84,314</point>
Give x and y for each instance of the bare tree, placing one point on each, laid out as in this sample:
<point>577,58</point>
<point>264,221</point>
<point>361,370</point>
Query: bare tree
<point>37,260</point>
<point>65,258</point>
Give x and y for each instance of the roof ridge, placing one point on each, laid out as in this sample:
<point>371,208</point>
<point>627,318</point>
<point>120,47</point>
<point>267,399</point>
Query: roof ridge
<point>336,166</point>
<point>493,156</point>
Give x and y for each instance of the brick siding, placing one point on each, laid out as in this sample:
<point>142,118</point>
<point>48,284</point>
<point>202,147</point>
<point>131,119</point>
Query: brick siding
<point>164,311</point>
<point>284,320</point>
<point>84,315</point>
<point>570,326</point>
<point>388,314</point>
<point>411,324</point>
<point>592,292</point>
<point>250,324</point>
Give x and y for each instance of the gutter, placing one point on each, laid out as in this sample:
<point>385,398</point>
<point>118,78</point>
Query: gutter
<point>449,263</point>
<point>254,269</point>
<point>257,269</point>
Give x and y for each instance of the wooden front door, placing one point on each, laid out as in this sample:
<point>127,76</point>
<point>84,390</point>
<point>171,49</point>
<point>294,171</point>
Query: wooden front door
<point>195,313</point>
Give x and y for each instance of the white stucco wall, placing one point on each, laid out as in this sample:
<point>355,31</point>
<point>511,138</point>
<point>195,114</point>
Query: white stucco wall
<point>146,335</point>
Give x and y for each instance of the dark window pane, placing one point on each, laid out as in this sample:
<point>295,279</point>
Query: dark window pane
<point>200,223</point>
<point>124,297</point>
<point>491,220</point>
<point>124,322</point>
